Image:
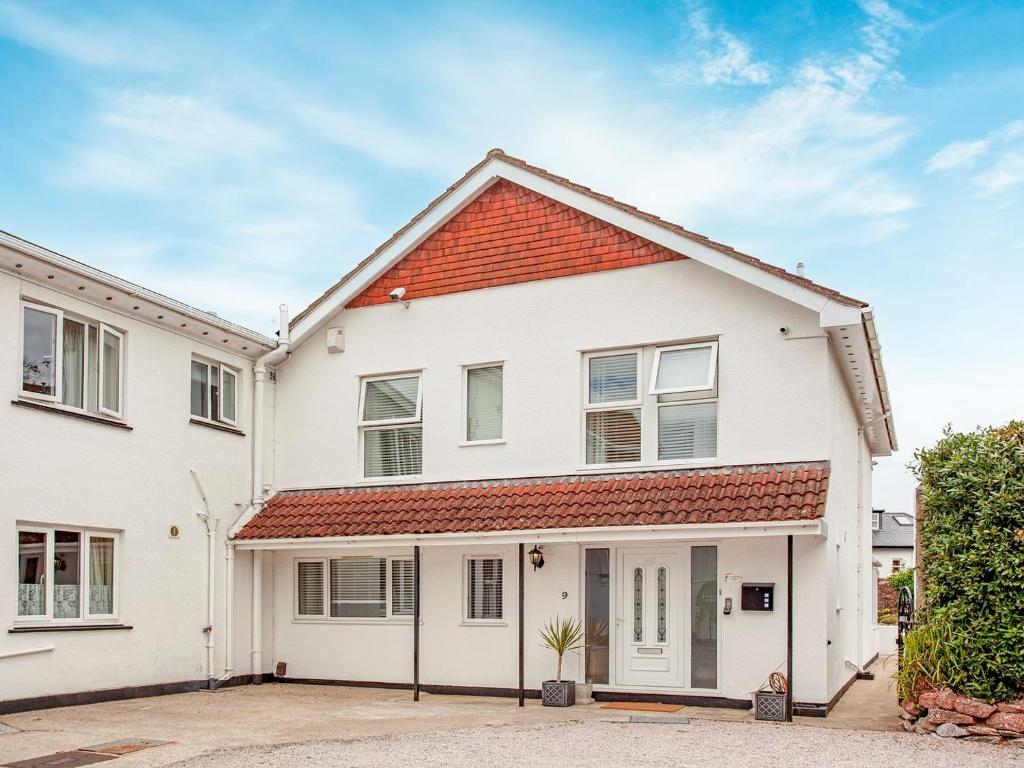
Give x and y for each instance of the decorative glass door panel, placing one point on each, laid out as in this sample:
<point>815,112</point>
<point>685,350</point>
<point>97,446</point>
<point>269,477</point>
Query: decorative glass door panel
<point>648,625</point>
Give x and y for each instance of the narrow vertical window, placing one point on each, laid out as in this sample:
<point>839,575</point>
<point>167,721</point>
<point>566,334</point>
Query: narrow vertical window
<point>31,573</point>
<point>638,605</point>
<point>101,575</point>
<point>200,390</point>
<point>74,372</point>
<point>111,351</point>
<point>597,601</point>
<point>39,363</point>
<point>309,579</point>
<point>67,572</point>
<point>402,588</point>
<point>484,403</point>
<point>704,617</point>
<point>613,409</point>
<point>392,432</point>
<point>662,604</point>
<point>227,395</point>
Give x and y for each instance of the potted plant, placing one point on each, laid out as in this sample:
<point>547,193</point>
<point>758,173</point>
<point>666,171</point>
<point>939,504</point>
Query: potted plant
<point>770,703</point>
<point>561,636</point>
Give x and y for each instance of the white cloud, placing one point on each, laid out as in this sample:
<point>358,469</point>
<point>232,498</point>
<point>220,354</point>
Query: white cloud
<point>957,155</point>
<point>724,59</point>
<point>1003,148</point>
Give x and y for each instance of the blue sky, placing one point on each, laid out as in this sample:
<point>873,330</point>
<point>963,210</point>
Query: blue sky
<point>236,155</point>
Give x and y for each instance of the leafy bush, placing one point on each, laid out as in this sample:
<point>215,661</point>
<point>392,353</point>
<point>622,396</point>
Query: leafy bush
<point>886,617</point>
<point>971,629</point>
<point>902,579</point>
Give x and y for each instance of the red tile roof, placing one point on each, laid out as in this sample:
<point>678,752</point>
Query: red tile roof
<point>739,494</point>
<point>508,235</point>
<point>649,217</point>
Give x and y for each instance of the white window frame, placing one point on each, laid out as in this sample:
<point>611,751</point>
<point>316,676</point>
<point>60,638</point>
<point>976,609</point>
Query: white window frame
<point>47,619</point>
<point>106,329</point>
<point>325,617</point>
<point>465,404</point>
<point>58,363</point>
<point>418,375</point>
<point>502,622</point>
<point>215,418</point>
<point>363,426</point>
<point>709,381</point>
<point>619,405</point>
<point>876,521</point>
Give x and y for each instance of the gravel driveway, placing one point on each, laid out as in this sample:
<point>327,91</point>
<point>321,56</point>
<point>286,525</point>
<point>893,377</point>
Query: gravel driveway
<point>701,744</point>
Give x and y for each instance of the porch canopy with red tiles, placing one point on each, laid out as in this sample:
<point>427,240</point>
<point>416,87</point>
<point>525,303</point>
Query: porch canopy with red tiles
<point>766,495</point>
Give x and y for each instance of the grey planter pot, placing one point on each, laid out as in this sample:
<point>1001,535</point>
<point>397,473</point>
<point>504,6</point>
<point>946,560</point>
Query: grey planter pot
<point>558,693</point>
<point>769,705</point>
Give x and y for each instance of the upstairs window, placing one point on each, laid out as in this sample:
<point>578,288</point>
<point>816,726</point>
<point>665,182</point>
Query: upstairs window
<point>72,361</point>
<point>612,408</point>
<point>679,397</point>
<point>213,392</point>
<point>390,412</point>
<point>876,521</point>
<point>484,406</point>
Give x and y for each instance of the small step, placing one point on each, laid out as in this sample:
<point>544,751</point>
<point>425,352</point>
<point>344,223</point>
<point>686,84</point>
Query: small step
<point>659,719</point>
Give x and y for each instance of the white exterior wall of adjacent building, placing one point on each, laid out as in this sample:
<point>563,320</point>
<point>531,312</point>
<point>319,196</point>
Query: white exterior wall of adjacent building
<point>885,555</point>
<point>63,471</point>
<point>779,400</point>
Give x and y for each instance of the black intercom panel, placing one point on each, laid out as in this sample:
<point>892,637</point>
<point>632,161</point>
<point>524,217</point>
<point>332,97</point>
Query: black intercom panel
<point>758,597</point>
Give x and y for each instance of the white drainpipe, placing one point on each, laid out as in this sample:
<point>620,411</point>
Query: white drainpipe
<point>257,616</point>
<point>273,357</point>
<point>211,564</point>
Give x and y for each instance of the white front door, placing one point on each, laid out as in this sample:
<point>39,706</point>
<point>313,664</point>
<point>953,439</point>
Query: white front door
<point>649,617</point>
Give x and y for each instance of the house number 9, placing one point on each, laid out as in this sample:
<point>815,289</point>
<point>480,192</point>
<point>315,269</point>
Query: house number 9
<point>565,595</point>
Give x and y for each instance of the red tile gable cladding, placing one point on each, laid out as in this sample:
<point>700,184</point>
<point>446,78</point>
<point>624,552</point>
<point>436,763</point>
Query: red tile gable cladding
<point>507,235</point>
<point>751,494</point>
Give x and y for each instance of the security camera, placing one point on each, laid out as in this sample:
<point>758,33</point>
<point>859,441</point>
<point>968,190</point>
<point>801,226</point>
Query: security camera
<point>784,330</point>
<point>398,295</point>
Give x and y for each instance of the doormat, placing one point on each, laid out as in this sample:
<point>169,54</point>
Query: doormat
<point>124,746</point>
<point>642,706</point>
<point>61,760</point>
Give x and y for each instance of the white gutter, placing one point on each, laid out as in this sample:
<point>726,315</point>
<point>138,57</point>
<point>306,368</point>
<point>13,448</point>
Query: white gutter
<point>58,260</point>
<point>683,531</point>
<point>211,537</point>
<point>25,652</point>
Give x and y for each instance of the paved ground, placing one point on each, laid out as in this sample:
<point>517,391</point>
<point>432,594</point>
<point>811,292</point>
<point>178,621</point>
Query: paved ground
<point>265,717</point>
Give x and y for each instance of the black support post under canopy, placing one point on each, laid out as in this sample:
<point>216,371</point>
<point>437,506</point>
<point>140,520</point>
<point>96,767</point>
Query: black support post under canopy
<point>522,568</point>
<point>789,628</point>
<point>416,623</point>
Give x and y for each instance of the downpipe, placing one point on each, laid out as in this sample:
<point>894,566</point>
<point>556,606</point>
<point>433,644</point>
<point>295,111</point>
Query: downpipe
<point>211,537</point>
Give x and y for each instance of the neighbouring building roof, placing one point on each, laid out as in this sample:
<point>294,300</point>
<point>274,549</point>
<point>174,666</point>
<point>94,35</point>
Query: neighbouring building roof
<point>508,235</point>
<point>738,494</point>
<point>897,530</point>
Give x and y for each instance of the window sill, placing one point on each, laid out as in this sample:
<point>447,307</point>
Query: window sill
<point>471,443</point>
<point>483,623</point>
<point>636,466</point>
<point>17,630</point>
<point>399,622</point>
<point>74,414</point>
<point>217,426</point>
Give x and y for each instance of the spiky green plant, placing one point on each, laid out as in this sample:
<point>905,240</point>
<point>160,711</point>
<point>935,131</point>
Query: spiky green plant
<point>934,656</point>
<point>562,636</point>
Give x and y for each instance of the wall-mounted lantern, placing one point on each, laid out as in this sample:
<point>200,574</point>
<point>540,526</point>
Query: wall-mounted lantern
<point>536,557</point>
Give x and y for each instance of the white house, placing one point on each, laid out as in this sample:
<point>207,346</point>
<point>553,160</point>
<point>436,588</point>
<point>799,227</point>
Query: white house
<point>528,372</point>
<point>892,541</point>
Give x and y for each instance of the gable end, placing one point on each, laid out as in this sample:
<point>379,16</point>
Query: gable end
<point>507,235</point>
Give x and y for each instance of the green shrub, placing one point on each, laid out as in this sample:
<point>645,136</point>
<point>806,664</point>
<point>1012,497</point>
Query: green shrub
<point>886,617</point>
<point>971,630</point>
<point>902,579</point>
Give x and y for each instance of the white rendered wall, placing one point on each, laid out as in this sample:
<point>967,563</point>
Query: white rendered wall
<point>885,556</point>
<point>773,393</point>
<point>456,652</point>
<point>60,470</point>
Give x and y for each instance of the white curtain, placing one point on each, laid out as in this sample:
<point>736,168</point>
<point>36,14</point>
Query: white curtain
<point>101,575</point>
<point>74,364</point>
